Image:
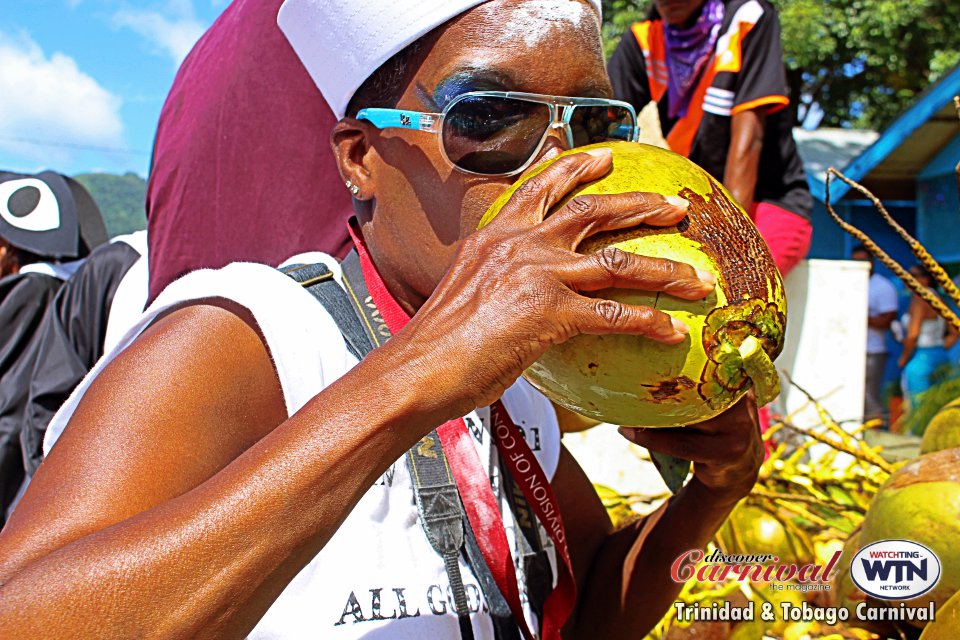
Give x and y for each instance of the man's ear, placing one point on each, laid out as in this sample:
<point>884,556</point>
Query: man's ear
<point>353,151</point>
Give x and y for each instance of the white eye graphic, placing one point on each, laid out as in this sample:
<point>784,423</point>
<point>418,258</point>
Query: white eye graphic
<point>29,204</point>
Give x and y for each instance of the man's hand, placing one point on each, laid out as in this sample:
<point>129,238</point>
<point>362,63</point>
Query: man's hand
<point>519,285</point>
<point>726,451</point>
<point>624,576</point>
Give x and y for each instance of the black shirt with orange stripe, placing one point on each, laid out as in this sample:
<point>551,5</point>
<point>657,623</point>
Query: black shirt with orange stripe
<point>744,72</point>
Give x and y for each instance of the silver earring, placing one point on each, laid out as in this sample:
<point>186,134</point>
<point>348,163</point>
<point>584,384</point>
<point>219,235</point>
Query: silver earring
<point>354,189</point>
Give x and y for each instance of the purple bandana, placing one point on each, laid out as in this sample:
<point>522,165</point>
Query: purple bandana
<point>687,52</point>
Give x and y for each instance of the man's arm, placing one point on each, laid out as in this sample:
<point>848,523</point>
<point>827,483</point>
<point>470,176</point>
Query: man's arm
<point>172,507</point>
<point>760,89</point>
<point>623,577</point>
<point>882,321</point>
<point>628,72</point>
<point>743,156</point>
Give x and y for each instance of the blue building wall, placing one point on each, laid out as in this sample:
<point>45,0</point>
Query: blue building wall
<point>938,205</point>
<point>833,243</point>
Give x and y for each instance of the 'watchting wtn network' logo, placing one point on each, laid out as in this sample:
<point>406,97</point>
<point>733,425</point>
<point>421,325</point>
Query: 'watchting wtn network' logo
<point>895,569</point>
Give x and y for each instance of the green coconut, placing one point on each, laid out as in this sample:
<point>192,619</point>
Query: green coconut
<point>947,624</point>
<point>842,588</point>
<point>920,502</point>
<point>845,593</point>
<point>735,333</point>
<point>752,530</point>
<point>943,431</point>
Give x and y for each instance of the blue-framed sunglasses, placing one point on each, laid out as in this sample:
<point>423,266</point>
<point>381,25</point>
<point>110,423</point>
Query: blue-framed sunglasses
<point>499,133</point>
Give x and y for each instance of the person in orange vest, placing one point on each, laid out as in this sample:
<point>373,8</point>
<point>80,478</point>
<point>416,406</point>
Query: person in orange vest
<point>715,70</point>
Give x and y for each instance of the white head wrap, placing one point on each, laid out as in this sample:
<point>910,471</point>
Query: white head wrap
<point>342,42</point>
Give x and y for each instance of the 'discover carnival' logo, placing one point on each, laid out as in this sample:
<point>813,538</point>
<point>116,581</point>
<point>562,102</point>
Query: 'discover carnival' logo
<point>895,569</point>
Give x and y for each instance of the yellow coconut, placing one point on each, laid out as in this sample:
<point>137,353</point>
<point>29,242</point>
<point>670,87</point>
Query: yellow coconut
<point>735,332</point>
<point>943,431</point>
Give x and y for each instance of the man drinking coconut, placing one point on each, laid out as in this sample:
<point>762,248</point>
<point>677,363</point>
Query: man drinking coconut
<point>232,470</point>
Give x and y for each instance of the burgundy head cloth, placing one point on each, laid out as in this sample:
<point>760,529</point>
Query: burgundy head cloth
<point>242,166</point>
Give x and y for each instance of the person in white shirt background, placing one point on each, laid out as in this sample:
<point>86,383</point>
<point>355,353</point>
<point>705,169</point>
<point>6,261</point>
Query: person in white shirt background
<point>881,312</point>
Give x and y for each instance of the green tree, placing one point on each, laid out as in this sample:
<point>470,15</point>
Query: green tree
<point>864,61</point>
<point>618,15</point>
<point>861,61</point>
<point>121,199</point>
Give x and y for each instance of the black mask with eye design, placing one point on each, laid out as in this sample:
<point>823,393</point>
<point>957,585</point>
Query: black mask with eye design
<point>50,215</point>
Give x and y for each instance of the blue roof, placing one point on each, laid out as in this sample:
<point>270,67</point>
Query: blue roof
<point>943,162</point>
<point>929,102</point>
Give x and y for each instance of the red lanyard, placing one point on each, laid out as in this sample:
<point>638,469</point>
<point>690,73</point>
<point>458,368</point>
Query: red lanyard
<point>476,493</point>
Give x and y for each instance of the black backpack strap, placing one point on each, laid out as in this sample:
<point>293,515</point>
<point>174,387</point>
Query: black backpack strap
<point>319,281</point>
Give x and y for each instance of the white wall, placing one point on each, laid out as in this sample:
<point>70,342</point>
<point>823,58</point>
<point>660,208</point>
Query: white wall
<point>825,349</point>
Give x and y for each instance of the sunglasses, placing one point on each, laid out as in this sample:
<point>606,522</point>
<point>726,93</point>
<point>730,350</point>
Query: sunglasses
<point>500,133</point>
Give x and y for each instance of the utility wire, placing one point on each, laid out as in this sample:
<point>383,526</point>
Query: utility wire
<point>72,145</point>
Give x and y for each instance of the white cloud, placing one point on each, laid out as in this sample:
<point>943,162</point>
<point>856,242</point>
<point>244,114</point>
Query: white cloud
<point>49,99</point>
<point>173,30</point>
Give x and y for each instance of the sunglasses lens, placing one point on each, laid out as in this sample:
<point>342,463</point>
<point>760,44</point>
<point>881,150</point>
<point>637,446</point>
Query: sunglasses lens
<point>493,135</point>
<point>600,124</point>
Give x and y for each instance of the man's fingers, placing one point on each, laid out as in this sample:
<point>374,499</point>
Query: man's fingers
<point>672,442</point>
<point>536,196</point>
<point>721,439</point>
<point>586,215</point>
<point>598,316</point>
<point>612,268</point>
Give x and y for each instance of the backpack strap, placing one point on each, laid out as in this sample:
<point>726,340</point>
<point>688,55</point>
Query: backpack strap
<point>319,281</point>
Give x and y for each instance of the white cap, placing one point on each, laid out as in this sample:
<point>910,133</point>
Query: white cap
<point>342,42</point>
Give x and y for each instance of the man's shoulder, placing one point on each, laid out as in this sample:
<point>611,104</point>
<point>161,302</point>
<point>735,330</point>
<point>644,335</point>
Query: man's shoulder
<point>881,286</point>
<point>763,6</point>
<point>737,12</point>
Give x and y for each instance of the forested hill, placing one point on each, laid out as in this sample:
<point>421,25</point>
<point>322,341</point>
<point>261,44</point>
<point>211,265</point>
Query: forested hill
<point>120,198</point>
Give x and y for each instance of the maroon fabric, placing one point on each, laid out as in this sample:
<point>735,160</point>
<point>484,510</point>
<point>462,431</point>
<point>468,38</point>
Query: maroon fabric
<point>242,166</point>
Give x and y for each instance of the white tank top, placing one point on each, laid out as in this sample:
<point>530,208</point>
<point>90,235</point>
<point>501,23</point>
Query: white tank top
<point>931,332</point>
<point>378,577</point>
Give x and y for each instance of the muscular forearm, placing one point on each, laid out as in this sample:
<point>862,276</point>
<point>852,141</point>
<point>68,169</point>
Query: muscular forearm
<point>210,562</point>
<point>743,156</point>
<point>882,321</point>
<point>630,588</point>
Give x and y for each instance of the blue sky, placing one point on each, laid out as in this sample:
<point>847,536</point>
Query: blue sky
<point>82,81</point>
